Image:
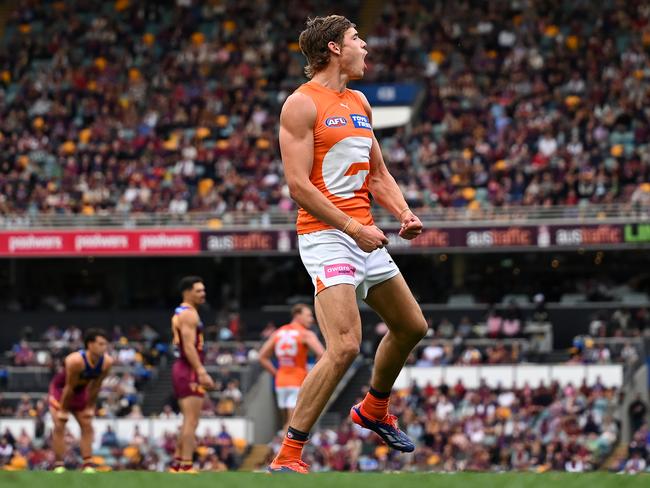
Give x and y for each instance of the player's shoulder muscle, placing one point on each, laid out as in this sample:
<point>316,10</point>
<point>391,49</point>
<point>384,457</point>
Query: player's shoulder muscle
<point>298,113</point>
<point>74,362</point>
<point>188,318</point>
<point>364,102</point>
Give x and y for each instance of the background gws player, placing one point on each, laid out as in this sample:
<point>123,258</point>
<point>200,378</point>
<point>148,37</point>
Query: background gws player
<point>291,344</point>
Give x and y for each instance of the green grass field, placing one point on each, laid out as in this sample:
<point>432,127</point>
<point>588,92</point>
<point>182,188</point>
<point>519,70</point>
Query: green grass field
<point>325,480</point>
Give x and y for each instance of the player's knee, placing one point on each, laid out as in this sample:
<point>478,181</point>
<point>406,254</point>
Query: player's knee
<point>348,350</point>
<point>191,423</point>
<point>420,328</point>
<point>412,331</point>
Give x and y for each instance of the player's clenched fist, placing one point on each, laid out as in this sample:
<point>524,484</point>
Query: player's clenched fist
<point>411,226</point>
<point>369,238</point>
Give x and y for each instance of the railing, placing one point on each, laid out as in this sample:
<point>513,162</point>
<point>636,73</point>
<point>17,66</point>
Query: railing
<point>512,376</point>
<point>616,343</point>
<point>507,215</point>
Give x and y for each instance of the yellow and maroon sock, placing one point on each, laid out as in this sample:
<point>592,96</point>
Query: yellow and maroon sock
<point>185,465</point>
<point>375,404</point>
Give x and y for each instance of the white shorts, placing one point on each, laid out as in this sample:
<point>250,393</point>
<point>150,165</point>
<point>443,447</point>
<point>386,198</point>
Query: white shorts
<point>287,396</point>
<point>332,257</point>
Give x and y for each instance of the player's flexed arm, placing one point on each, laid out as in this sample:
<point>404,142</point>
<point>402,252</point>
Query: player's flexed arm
<point>384,189</point>
<point>297,146</point>
<point>188,323</point>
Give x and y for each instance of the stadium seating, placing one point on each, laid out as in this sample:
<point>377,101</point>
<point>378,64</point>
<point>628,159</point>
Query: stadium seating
<point>526,107</point>
<point>460,429</point>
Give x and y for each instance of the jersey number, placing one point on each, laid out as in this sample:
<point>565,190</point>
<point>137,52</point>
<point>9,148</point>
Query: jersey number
<point>286,345</point>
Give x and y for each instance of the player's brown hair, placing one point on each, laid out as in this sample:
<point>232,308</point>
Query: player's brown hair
<point>91,335</point>
<point>319,32</point>
<point>188,282</point>
<point>298,308</point>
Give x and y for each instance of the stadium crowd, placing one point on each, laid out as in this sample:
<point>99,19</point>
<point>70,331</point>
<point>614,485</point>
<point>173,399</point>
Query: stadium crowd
<point>91,123</point>
<point>526,103</point>
<point>215,451</point>
<point>637,458</point>
<point>138,352</point>
<point>457,429</point>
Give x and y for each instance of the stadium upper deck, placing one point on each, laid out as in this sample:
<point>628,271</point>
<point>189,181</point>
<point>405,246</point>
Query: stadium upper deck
<point>128,107</point>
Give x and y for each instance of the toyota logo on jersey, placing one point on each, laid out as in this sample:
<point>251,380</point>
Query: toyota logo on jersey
<point>336,122</point>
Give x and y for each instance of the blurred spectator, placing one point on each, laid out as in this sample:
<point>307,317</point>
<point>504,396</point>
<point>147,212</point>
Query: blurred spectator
<point>167,413</point>
<point>23,354</point>
<point>6,450</point>
<point>109,438</point>
<point>25,407</point>
<point>637,412</point>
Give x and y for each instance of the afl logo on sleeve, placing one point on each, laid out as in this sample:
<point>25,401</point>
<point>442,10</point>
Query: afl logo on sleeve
<point>334,122</point>
<point>361,121</point>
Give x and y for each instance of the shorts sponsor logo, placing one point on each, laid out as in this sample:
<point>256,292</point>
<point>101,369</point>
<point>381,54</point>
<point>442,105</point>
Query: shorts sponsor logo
<point>339,269</point>
<point>334,122</point>
<point>361,121</point>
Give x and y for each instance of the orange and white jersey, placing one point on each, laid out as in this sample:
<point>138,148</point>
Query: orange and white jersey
<point>342,142</point>
<point>291,352</point>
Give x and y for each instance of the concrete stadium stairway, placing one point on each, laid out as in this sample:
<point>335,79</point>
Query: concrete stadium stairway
<point>158,391</point>
<point>257,458</point>
<point>619,452</point>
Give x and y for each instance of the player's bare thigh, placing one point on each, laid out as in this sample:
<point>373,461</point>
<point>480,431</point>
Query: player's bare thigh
<point>393,301</point>
<point>191,407</point>
<point>338,315</point>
